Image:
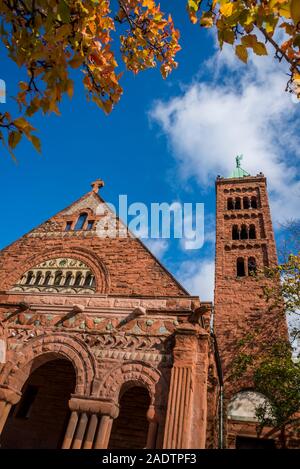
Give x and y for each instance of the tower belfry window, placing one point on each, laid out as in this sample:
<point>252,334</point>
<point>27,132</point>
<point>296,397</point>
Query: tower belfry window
<point>230,205</point>
<point>253,202</point>
<point>252,232</point>
<point>240,267</point>
<point>246,203</point>
<point>238,203</point>
<point>244,232</point>
<point>235,232</point>
<point>251,266</point>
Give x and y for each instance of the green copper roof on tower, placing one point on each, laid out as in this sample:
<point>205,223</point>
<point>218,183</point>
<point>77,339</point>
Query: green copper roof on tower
<point>238,171</point>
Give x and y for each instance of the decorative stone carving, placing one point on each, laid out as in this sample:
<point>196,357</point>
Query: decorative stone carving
<point>59,275</point>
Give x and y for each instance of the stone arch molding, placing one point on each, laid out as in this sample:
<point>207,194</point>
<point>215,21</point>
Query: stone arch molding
<point>136,374</point>
<point>46,348</point>
<point>243,405</point>
<point>91,259</point>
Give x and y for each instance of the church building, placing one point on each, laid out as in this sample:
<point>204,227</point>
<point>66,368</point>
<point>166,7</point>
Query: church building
<point>101,347</point>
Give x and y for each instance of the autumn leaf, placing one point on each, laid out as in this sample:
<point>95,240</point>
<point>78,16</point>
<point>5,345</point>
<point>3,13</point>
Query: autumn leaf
<point>14,138</point>
<point>260,49</point>
<point>295,11</point>
<point>242,53</point>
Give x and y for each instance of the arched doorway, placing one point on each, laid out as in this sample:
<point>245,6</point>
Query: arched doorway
<point>40,418</point>
<point>130,429</point>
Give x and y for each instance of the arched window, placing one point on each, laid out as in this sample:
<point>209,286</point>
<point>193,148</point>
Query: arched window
<point>78,280</point>
<point>68,278</point>
<point>238,203</point>
<point>68,225</point>
<point>88,280</point>
<point>253,202</point>
<point>240,267</point>
<point>47,278</point>
<point>244,405</point>
<point>244,232</point>
<point>246,203</point>
<point>57,278</point>
<point>230,205</point>
<point>81,221</point>
<point>38,278</point>
<point>29,278</point>
<point>252,232</point>
<point>251,266</point>
<point>235,232</point>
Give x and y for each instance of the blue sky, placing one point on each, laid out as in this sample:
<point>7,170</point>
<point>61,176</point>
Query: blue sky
<point>165,141</point>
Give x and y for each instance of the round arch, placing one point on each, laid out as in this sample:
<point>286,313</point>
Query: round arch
<point>85,255</point>
<point>48,347</point>
<point>243,405</point>
<point>120,379</point>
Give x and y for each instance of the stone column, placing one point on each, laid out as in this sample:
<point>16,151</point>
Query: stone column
<point>92,427</point>
<point>103,434</point>
<point>109,411</point>
<point>187,390</point>
<point>8,398</point>
<point>82,429</point>
<point>70,430</point>
<point>152,429</point>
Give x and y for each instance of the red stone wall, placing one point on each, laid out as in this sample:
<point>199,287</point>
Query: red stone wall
<point>240,304</point>
<point>122,266</point>
<point>139,328</point>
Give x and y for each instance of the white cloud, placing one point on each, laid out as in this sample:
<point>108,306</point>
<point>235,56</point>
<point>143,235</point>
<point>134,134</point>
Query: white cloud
<point>198,278</point>
<point>158,247</point>
<point>243,109</point>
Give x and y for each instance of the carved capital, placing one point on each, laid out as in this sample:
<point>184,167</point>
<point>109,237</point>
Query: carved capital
<point>92,405</point>
<point>187,339</point>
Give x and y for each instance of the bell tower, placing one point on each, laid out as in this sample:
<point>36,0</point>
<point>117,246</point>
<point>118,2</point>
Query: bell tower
<point>244,323</point>
<point>244,244</point>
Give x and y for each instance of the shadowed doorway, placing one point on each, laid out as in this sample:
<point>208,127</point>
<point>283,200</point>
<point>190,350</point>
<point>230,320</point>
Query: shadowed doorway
<point>40,418</point>
<point>130,429</point>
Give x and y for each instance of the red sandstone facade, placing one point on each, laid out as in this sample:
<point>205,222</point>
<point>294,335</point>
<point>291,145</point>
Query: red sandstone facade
<point>244,245</point>
<point>102,348</point>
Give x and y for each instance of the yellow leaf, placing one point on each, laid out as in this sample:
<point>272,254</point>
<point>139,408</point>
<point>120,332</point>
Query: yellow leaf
<point>226,9</point>
<point>242,53</point>
<point>260,49</point>
<point>35,142</point>
<point>21,123</point>
<point>295,11</point>
<point>14,138</point>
